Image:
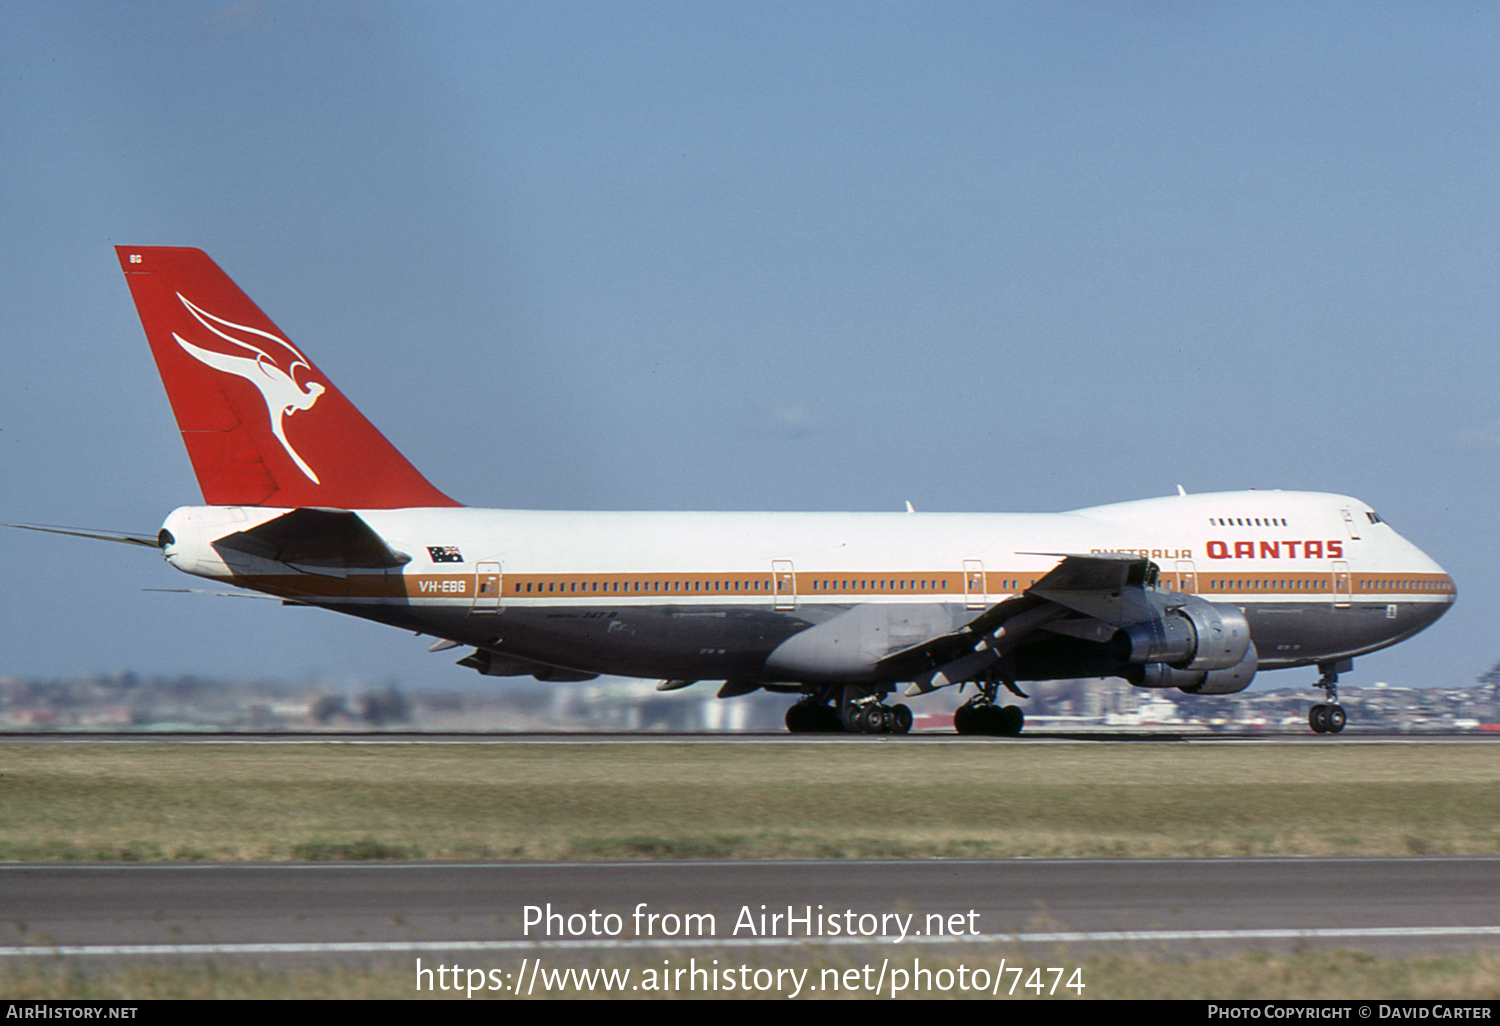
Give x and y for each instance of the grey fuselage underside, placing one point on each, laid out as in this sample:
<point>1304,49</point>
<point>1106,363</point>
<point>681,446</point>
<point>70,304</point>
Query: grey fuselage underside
<point>733,642</point>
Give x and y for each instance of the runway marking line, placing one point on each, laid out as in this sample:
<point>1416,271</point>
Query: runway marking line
<point>1056,937</point>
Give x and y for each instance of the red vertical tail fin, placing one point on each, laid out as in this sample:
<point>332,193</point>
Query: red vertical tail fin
<point>263,426</point>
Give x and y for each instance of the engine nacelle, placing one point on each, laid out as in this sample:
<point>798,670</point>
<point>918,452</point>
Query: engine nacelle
<point>1193,635</point>
<point>1202,682</point>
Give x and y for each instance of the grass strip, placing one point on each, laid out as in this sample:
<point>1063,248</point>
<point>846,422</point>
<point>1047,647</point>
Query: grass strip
<point>775,800</point>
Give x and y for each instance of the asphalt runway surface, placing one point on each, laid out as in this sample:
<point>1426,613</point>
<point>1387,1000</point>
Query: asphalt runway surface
<point>623,738</point>
<point>314,912</point>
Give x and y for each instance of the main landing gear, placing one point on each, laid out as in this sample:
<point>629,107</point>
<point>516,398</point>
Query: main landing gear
<point>867,715</point>
<point>981,715</point>
<point>1328,718</point>
<point>874,717</point>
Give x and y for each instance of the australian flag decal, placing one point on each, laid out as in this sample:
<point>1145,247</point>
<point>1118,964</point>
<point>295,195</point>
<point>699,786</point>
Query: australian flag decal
<point>445,554</point>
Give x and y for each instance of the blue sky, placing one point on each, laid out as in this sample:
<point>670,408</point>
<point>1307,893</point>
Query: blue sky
<point>1012,257</point>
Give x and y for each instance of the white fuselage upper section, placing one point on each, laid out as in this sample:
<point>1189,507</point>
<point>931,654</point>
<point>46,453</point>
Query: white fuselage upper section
<point>1225,534</point>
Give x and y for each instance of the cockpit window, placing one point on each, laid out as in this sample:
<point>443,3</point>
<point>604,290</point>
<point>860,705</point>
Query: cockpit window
<point>1374,517</point>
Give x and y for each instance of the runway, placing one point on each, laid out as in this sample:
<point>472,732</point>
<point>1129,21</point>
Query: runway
<point>1142,737</point>
<point>1386,906</point>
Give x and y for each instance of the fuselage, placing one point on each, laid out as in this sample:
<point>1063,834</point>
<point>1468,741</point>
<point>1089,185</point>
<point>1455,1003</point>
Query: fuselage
<point>715,595</point>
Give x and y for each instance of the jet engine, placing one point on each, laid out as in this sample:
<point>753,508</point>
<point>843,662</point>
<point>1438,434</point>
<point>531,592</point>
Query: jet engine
<point>1196,646</point>
<point>1202,682</point>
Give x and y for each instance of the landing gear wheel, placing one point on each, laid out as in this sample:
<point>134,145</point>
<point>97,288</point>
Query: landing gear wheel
<point>812,718</point>
<point>1327,717</point>
<point>990,720</point>
<point>900,719</point>
<point>1011,720</point>
<point>874,719</point>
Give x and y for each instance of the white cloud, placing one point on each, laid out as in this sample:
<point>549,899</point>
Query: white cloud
<point>793,421</point>
<point>237,19</point>
<point>1485,437</point>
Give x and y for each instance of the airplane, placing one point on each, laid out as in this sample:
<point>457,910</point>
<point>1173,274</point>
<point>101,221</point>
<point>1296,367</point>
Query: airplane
<point>307,502</point>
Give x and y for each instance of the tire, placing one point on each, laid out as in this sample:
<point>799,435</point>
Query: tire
<point>1317,718</point>
<point>1335,719</point>
<point>1012,719</point>
<point>900,719</point>
<point>994,721</point>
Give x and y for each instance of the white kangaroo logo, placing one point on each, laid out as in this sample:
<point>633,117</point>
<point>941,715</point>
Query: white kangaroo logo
<point>277,386</point>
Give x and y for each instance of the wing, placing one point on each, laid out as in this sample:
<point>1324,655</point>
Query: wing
<point>1084,596</point>
<point>78,532</point>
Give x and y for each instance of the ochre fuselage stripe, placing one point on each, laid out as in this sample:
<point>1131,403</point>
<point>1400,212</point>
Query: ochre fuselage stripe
<point>810,585</point>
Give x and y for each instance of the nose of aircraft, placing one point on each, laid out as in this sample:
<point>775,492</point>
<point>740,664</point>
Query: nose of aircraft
<point>1424,593</point>
<point>1439,581</point>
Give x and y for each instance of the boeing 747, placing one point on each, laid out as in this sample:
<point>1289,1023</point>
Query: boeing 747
<point>306,501</point>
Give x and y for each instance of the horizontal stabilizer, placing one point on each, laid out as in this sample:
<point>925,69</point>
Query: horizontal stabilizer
<point>216,594</point>
<point>148,541</point>
<point>334,538</point>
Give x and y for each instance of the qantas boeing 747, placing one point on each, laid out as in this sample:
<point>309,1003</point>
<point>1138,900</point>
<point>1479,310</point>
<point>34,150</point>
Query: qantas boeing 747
<point>308,502</point>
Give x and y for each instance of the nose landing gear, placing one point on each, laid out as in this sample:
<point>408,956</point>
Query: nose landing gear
<point>1328,718</point>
